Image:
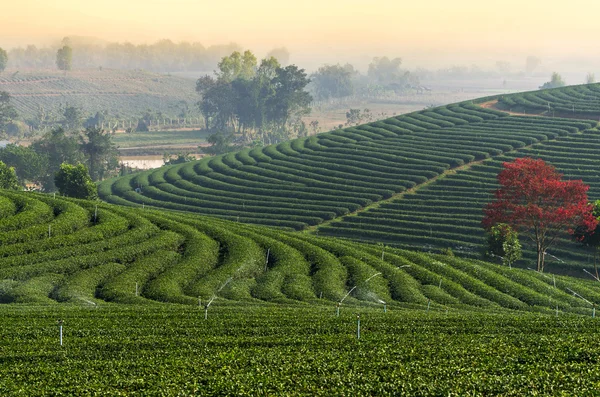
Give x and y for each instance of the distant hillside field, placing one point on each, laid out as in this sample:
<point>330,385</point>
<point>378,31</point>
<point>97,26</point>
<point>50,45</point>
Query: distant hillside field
<point>125,94</point>
<point>417,181</point>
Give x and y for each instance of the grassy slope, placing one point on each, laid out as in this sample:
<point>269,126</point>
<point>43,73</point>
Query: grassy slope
<point>124,94</point>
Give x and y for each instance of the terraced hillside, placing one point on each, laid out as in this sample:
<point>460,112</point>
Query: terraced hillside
<point>448,212</point>
<point>307,181</point>
<point>582,101</point>
<point>54,250</point>
<point>124,94</point>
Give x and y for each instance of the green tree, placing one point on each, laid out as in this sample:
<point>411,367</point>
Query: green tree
<point>74,181</point>
<point>503,242</point>
<point>29,165</point>
<point>384,70</point>
<point>237,65</point>
<point>3,59</point>
<point>7,111</point>
<point>64,58</point>
<point>100,151</point>
<point>58,147</point>
<point>290,97</point>
<point>333,81</point>
<point>8,178</point>
<point>555,82</point>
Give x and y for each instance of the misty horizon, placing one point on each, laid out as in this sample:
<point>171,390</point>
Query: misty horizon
<point>432,36</point>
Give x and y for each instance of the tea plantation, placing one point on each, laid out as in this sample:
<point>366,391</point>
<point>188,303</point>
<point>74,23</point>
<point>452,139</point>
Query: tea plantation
<point>179,285</point>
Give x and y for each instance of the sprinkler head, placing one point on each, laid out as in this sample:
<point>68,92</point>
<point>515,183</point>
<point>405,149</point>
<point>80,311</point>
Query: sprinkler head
<point>59,322</point>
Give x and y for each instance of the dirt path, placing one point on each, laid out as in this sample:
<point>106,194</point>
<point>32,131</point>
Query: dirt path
<point>493,104</point>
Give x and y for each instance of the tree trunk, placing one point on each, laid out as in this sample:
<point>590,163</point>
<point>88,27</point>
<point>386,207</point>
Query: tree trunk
<point>540,259</point>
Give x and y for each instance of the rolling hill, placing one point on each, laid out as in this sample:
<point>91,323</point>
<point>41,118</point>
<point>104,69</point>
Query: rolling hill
<point>416,181</point>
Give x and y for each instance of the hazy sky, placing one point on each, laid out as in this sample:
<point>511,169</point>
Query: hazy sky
<point>328,29</point>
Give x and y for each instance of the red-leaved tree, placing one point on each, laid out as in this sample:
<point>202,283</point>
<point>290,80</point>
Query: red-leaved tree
<point>534,200</point>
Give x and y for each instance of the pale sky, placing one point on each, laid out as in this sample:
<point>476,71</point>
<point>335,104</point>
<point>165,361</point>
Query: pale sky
<point>423,29</point>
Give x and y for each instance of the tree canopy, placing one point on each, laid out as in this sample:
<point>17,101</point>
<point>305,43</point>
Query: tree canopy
<point>534,200</point>
<point>74,181</point>
<point>64,58</point>
<point>333,81</point>
<point>259,102</point>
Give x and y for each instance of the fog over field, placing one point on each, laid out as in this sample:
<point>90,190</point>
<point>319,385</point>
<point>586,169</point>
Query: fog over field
<point>431,34</point>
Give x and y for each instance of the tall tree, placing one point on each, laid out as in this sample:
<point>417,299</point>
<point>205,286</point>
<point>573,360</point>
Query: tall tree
<point>534,200</point>
<point>64,58</point>
<point>74,181</point>
<point>290,97</point>
<point>3,59</point>
<point>7,111</point>
<point>99,150</point>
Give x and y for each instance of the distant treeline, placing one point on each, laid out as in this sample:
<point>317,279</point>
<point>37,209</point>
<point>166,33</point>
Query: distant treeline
<point>162,56</point>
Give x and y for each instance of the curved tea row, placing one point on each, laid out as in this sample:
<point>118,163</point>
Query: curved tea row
<point>581,101</point>
<point>57,250</point>
<point>307,181</point>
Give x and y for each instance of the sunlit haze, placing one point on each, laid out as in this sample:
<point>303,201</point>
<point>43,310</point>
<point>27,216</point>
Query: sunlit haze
<point>436,32</point>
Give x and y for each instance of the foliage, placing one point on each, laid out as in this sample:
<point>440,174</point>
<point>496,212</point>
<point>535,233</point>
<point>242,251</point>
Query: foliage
<point>534,199</point>
<point>3,59</point>
<point>263,102</point>
<point>99,150</point>
<point>74,181</point>
<point>356,116</point>
<point>555,82</point>
<point>387,73</point>
<point>64,58</point>
<point>58,147</point>
<point>333,81</point>
<point>72,118</point>
<point>8,177</point>
<point>29,165</point>
<point>289,350</point>
<point>503,242</point>
<point>237,65</point>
